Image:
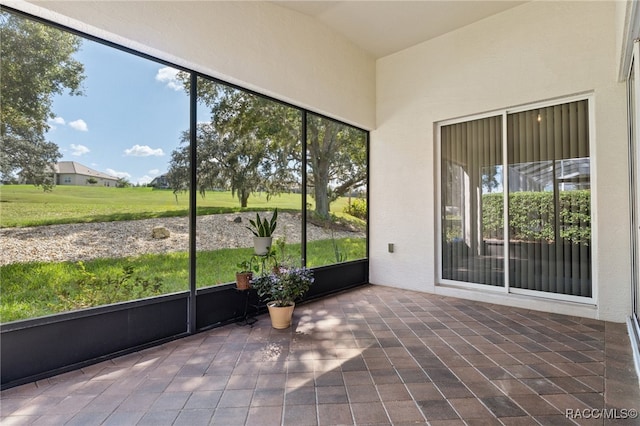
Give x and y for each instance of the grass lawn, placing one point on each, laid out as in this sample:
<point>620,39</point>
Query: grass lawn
<point>31,290</point>
<point>26,205</point>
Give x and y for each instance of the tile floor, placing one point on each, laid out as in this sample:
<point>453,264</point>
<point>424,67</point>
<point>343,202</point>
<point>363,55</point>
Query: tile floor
<point>373,355</point>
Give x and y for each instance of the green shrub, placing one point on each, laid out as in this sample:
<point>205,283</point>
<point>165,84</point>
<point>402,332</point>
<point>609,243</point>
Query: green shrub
<point>492,215</point>
<point>532,216</point>
<point>357,208</point>
<point>575,216</point>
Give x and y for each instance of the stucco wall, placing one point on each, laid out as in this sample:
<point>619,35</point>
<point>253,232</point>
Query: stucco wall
<point>537,51</point>
<point>258,45</point>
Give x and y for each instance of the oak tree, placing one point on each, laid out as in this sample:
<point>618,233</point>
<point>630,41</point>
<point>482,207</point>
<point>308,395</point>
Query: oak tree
<point>36,64</point>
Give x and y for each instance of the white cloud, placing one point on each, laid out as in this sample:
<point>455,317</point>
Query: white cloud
<point>79,125</point>
<point>118,174</point>
<point>79,150</point>
<point>57,120</point>
<point>168,75</point>
<point>154,172</point>
<point>53,121</point>
<point>144,180</point>
<point>143,151</point>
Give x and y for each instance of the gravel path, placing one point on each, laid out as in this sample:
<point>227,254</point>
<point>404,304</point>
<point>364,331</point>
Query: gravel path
<point>85,241</point>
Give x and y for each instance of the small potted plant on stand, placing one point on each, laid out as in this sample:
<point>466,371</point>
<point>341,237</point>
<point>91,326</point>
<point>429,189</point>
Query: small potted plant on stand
<point>262,230</point>
<point>280,290</point>
<point>244,274</point>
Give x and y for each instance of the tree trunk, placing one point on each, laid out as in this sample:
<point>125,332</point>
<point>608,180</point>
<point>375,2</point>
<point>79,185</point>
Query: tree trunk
<point>321,185</point>
<point>243,196</point>
<point>321,151</point>
<point>322,200</point>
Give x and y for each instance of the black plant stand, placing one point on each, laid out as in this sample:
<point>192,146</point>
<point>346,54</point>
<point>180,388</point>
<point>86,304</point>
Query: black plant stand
<point>250,301</point>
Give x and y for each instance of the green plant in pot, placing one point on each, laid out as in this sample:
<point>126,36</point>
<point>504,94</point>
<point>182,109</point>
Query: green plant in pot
<point>262,230</point>
<point>280,290</point>
<point>244,274</point>
<point>277,256</point>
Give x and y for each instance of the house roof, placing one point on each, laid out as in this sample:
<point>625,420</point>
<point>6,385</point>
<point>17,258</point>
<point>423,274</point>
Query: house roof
<point>71,167</point>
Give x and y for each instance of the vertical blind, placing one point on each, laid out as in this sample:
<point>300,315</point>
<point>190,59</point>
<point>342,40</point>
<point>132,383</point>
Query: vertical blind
<point>471,160</point>
<point>548,198</point>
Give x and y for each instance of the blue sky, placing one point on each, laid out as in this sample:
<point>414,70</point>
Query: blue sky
<point>129,120</point>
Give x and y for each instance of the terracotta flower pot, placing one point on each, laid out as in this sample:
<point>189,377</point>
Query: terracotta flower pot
<point>280,316</point>
<point>243,280</point>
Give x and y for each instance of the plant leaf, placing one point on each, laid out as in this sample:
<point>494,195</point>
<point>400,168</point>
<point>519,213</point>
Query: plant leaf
<point>274,223</point>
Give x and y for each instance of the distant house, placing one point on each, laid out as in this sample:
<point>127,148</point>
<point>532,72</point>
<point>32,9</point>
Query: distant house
<point>160,182</point>
<point>72,173</point>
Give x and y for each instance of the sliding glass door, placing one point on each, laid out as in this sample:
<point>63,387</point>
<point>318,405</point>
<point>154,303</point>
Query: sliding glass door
<point>533,163</point>
<point>550,199</point>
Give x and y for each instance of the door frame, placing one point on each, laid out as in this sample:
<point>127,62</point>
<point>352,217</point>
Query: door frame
<point>633,108</point>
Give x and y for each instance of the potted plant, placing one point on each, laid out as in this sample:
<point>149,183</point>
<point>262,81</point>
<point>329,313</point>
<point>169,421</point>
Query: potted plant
<point>276,257</point>
<point>244,274</point>
<point>280,290</point>
<point>262,230</point>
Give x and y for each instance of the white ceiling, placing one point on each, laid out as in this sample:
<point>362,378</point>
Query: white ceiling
<point>385,27</point>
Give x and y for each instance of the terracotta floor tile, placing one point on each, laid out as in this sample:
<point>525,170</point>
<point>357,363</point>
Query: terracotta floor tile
<point>512,387</point>
<point>450,422</point>
<point>453,389</point>
<point>230,416</point>
<point>372,355</point>
<point>484,389</point>
<point>267,416</point>
<point>502,406</point>
<point>300,396</point>
<point>335,414</point>
<point>542,386</point>
<point>519,421</point>
<point>385,376</point>
<point>331,394</point>
<point>300,415</point>
<point>369,413</point>
<point>154,418</point>
<point>234,398</point>
<point>403,412</point>
<point>437,409</point>
<point>356,378</point>
<point>470,408</point>
<point>441,375</point>
<point>271,381</point>
<point>535,405</point>
<point>468,374</point>
<point>362,393</point>
<point>267,397</point>
<point>196,417</point>
<point>393,392</point>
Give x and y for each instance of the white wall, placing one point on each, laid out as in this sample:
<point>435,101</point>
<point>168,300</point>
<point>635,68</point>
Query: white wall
<point>257,45</point>
<point>534,52</point>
